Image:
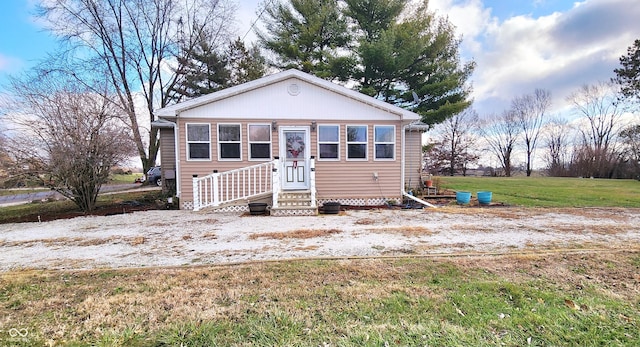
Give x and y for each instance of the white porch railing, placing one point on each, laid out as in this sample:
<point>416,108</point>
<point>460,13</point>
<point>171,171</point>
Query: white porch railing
<point>240,184</point>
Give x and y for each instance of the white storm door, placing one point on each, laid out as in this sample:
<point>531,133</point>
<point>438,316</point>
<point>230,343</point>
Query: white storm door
<point>295,154</point>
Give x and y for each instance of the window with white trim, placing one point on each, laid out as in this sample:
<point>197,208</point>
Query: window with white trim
<point>384,141</point>
<point>356,142</point>
<point>328,142</point>
<point>229,142</point>
<point>259,141</point>
<point>198,141</point>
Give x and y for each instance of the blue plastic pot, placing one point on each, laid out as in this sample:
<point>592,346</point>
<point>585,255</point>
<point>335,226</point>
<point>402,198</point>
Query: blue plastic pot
<point>463,197</point>
<point>484,198</point>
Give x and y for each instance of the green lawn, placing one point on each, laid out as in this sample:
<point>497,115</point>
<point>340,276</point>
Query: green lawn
<point>123,178</point>
<point>550,191</point>
<point>533,300</point>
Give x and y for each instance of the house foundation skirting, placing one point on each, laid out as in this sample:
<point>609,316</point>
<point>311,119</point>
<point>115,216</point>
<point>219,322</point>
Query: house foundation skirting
<point>359,201</point>
<point>242,207</point>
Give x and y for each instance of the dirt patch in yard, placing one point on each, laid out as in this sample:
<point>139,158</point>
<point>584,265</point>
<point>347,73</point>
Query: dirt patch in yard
<point>179,237</point>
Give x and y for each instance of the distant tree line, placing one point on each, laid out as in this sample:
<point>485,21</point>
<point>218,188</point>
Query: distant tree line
<point>601,139</point>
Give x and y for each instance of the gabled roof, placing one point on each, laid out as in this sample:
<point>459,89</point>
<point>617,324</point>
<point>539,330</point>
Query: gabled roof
<point>175,110</point>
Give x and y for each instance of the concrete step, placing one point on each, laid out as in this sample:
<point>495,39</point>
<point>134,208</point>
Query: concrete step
<point>296,203</point>
<point>283,211</point>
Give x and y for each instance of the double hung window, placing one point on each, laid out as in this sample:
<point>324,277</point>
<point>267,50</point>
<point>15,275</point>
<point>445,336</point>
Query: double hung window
<point>198,142</point>
<point>229,142</point>
<point>384,141</point>
<point>259,141</point>
<point>328,142</point>
<point>356,142</point>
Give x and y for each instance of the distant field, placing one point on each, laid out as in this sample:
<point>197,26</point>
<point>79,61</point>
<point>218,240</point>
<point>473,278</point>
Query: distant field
<point>550,191</point>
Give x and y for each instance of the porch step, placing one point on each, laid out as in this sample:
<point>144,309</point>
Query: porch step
<point>294,203</point>
<point>294,199</point>
<point>294,211</point>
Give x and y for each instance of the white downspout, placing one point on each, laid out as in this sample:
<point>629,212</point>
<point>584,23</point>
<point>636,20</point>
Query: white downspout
<point>404,193</point>
<point>177,150</point>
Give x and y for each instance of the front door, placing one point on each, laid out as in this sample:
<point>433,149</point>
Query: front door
<point>295,154</point>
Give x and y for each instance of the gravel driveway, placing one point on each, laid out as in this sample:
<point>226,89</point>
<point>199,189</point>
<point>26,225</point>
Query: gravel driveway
<point>176,238</point>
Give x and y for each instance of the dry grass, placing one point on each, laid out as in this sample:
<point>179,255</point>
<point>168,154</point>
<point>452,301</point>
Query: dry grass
<point>612,214</point>
<point>619,215</point>
<point>475,229</point>
<point>137,240</point>
<point>365,221</point>
<point>60,242</point>
<point>296,234</point>
<point>159,225</point>
<point>407,231</point>
<point>82,305</point>
<point>210,236</point>
<point>564,228</point>
<point>207,221</point>
<point>306,248</point>
<point>609,269</point>
<point>595,229</point>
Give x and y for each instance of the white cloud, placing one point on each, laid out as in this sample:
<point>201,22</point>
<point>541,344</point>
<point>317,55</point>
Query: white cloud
<point>3,62</point>
<point>9,64</point>
<point>247,16</point>
<point>558,51</point>
<point>470,18</point>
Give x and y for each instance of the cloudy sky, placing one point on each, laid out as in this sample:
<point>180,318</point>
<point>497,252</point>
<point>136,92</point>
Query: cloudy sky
<point>559,45</point>
<point>518,45</point>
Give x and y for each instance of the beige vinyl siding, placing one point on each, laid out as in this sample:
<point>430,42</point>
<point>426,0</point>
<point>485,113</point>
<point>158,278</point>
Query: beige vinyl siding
<point>167,149</point>
<point>413,158</point>
<point>353,179</point>
<point>335,179</point>
<point>168,160</point>
<point>203,168</point>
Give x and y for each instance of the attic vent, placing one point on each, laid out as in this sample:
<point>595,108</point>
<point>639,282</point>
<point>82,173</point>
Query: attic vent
<point>293,89</point>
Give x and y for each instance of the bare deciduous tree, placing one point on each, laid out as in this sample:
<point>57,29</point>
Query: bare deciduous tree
<point>66,135</point>
<point>134,42</point>
<point>556,139</point>
<point>530,110</point>
<point>601,109</point>
<point>6,163</point>
<point>501,133</point>
<point>457,141</point>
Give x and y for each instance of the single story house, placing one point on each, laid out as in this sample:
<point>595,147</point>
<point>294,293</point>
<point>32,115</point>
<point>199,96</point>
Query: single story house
<point>292,140</point>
